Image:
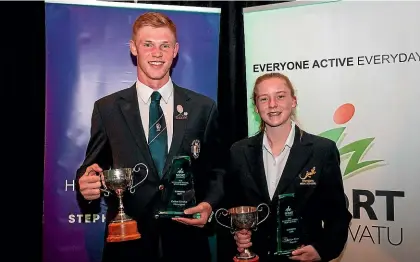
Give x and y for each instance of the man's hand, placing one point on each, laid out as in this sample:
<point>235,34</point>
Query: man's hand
<point>90,183</point>
<point>305,254</point>
<point>243,239</point>
<point>204,209</point>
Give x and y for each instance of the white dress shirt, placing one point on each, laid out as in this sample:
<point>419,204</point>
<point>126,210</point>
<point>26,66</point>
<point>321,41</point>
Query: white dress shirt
<point>274,165</point>
<point>166,102</point>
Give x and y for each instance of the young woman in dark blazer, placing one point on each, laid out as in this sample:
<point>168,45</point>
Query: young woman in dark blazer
<point>282,159</point>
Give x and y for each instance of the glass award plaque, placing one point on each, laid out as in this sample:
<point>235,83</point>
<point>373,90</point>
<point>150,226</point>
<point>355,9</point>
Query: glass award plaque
<point>178,193</point>
<point>288,225</point>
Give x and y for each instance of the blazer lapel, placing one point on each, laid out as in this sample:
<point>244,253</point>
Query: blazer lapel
<point>299,155</point>
<point>130,109</point>
<point>179,124</point>
<point>255,161</point>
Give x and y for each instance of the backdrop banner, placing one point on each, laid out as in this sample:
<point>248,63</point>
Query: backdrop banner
<point>356,69</point>
<point>88,57</point>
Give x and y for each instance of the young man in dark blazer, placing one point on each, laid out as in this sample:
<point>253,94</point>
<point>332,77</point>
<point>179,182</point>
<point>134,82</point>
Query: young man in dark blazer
<point>284,159</point>
<point>151,122</point>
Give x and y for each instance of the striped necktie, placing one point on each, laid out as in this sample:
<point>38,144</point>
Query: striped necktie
<point>158,138</point>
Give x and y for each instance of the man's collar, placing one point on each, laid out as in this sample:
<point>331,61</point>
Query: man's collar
<point>145,92</point>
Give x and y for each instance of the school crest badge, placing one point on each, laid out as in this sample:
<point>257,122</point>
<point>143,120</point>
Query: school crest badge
<point>195,148</point>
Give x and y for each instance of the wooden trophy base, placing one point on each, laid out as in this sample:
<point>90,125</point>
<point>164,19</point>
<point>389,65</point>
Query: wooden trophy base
<point>254,259</point>
<point>122,231</point>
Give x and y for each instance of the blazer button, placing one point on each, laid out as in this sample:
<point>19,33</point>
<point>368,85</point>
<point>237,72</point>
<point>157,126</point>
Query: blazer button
<point>161,187</point>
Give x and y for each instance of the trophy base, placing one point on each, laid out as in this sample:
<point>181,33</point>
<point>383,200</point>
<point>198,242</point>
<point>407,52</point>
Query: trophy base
<point>254,259</point>
<point>285,253</point>
<point>174,214</point>
<point>122,231</point>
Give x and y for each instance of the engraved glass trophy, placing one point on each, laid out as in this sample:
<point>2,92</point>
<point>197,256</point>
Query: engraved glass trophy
<point>288,225</point>
<point>178,192</point>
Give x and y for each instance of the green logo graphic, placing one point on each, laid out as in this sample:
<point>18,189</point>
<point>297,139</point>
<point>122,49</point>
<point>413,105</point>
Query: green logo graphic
<point>355,150</point>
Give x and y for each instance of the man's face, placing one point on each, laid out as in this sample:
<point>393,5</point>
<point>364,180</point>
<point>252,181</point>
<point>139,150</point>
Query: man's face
<point>155,49</point>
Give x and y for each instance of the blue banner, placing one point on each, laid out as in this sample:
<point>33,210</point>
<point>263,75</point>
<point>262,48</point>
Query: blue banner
<point>88,57</point>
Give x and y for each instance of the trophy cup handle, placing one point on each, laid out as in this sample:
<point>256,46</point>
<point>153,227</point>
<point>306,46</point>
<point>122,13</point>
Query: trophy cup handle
<point>224,212</point>
<point>259,209</point>
<point>105,189</point>
<point>136,169</point>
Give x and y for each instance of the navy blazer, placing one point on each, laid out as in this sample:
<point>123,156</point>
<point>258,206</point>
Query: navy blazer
<point>118,140</point>
<point>320,203</point>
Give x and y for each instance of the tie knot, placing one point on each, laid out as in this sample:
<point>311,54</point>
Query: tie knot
<point>156,96</point>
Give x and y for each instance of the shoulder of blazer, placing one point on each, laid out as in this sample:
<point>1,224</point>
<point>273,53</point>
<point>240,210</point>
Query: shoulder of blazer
<point>106,105</point>
<point>318,143</point>
<point>194,96</point>
<point>252,141</point>
<point>302,136</point>
<point>129,94</point>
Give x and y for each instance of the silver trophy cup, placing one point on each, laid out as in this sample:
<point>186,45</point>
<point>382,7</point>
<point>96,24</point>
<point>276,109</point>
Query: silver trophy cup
<point>118,181</point>
<point>243,217</point>
<point>122,227</point>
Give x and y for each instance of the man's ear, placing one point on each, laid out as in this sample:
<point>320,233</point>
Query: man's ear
<point>176,49</point>
<point>133,48</point>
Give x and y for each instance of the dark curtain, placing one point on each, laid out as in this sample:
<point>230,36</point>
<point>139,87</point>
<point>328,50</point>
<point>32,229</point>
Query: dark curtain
<point>22,49</point>
<point>22,85</point>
